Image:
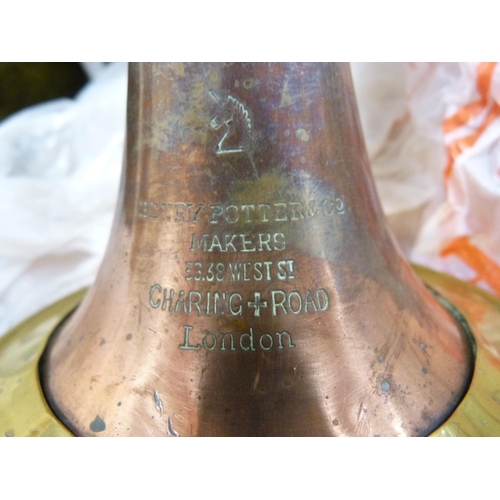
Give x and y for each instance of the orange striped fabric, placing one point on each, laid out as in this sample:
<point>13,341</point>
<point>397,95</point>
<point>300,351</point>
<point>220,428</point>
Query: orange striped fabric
<point>466,113</point>
<point>486,269</point>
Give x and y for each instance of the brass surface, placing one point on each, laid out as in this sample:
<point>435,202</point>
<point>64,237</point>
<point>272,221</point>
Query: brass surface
<point>23,408</point>
<point>479,412</point>
<point>250,286</point>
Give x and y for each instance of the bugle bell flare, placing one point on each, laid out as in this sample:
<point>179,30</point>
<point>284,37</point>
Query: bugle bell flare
<point>250,286</point>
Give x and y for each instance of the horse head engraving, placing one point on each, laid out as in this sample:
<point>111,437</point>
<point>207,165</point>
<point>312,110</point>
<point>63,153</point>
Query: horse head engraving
<point>233,118</point>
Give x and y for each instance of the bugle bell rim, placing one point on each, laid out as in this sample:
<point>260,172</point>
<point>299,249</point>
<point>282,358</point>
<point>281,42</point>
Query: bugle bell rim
<point>24,410</point>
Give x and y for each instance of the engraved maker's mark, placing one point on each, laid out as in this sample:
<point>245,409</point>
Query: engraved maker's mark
<point>234,120</point>
<point>234,117</point>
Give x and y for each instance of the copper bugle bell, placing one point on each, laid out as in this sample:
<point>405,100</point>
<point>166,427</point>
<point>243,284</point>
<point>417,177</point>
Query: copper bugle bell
<point>250,286</point>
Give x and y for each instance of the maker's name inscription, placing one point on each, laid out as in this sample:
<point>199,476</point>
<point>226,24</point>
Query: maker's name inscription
<point>289,211</point>
<point>225,259</point>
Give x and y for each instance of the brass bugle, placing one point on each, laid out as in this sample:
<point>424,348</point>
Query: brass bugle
<point>250,286</point>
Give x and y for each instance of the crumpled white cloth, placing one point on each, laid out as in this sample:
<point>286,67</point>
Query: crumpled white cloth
<point>439,184</point>
<point>433,137</point>
<point>60,166</point>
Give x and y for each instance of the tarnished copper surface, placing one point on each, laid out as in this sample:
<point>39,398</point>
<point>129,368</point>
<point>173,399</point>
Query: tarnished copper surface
<point>250,286</point>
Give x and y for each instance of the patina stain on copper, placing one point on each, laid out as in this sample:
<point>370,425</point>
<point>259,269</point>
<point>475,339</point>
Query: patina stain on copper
<point>250,287</point>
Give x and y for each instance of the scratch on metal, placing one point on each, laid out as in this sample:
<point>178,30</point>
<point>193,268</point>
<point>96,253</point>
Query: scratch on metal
<point>158,402</point>
<point>170,429</point>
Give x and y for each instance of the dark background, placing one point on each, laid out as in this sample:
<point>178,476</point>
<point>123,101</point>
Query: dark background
<point>24,84</point>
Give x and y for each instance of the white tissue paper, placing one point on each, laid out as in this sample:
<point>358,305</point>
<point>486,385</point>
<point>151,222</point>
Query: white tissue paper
<point>433,136</point>
<point>60,166</point>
